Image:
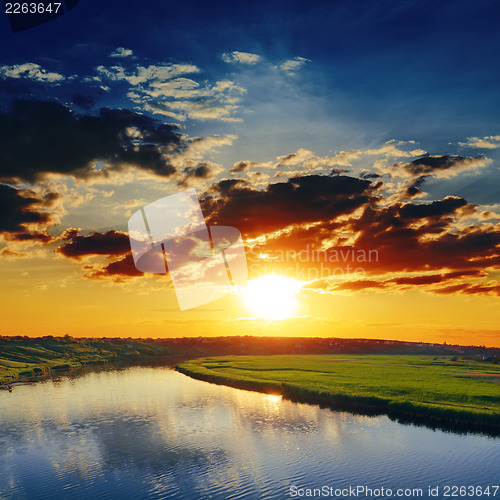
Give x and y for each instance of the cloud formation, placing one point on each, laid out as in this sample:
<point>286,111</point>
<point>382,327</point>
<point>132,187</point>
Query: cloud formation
<point>117,270</point>
<point>290,66</point>
<point>297,201</point>
<point>46,137</point>
<point>392,149</point>
<point>444,166</point>
<point>240,57</point>
<point>165,89</point>
<point>111,243</point>
<point>196,173</point>
<point>121,52</point>
<point>452,282</point>
<point>24,216</point>
<point>30,71</point>
<point>488,142</point>
<point>152,74</point>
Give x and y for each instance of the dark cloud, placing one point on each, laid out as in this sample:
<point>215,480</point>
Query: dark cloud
<point>430,242</point>
<point>17,209</point>
<point>241,166</point>
<point>411,237</point>
<point>84,101</point>
<point>406,281</point>
<point>369,175</point>
<point>431,164</point>
<point>380,240</point>
<point>16,88</point>
<point>492,288</point>
<point>117,270</point>
<point>22,215</point>
<point>436,278</point>
<point>227,186</point>
<point>338,171</point>
<point>191,248</point>
<point>200,172</point>
<point>111,243</point>
<point>413,188</point>
<point>38,236</point>
<point>42,137</point>
<point>299,200</point>
<point>359,285</point>
<point>70,233</point>
<point>437,208</point>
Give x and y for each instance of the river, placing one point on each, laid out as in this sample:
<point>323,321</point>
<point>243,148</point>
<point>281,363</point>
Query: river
<point>145,432</point>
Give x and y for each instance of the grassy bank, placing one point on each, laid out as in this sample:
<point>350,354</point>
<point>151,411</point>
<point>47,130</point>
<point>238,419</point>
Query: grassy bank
<point>427,389</point>
<point>21,358</point>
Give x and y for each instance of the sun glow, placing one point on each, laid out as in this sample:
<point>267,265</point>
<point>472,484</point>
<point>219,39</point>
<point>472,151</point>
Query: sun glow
<point>272,297</point>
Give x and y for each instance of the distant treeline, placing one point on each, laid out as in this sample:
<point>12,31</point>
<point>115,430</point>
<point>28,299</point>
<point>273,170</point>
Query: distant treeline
<point>22,356</point>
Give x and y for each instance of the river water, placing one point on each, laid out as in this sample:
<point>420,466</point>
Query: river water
<point>154,433</point>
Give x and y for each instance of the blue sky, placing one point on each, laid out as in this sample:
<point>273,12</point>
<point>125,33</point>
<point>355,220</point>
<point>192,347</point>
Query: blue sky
<point>326,76</point>
<point>419,70</point>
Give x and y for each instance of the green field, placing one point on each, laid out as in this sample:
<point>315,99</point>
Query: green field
<point>413,387</point>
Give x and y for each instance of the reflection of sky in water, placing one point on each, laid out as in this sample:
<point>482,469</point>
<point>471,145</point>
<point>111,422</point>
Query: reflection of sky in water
<point>156,433</point>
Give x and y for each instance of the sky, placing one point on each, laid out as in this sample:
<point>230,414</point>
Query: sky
<point>354,145</point>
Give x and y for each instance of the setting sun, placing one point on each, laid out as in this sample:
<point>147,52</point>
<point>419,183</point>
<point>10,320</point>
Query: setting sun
<point>272,297</point>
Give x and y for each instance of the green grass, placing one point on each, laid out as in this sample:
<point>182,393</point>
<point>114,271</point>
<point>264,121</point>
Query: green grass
<point>28,357</point>
<point>400,385</point>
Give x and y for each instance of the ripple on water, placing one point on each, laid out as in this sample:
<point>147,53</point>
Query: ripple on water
<point>154,433</point>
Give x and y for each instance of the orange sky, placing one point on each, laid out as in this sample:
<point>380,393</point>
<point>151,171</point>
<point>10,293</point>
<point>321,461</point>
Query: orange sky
<point>48,296</point>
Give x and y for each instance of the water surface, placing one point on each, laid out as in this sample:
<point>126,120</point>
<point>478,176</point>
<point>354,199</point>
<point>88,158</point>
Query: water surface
<point>154,433</point>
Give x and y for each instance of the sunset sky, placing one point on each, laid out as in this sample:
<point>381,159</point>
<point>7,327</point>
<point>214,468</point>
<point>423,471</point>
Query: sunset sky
<point>355,145</point>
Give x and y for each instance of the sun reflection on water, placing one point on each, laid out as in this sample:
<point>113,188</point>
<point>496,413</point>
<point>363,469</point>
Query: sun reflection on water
<point>274,400</point>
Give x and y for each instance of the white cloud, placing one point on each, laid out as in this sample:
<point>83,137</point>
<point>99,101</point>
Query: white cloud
<point>151,74</point>
<point>311,162</point>
<point>390,149</point>
<point>302,162</point>
<point>240,57</point>
<point>205,110</point>
<point>164,90</point>
<point>185,88</point>
<point>488,142</point>
<point>31,71</point>
<point>292,65</point>
<point>199,147</point>
<point>162,109</point>
<point>121,52</point>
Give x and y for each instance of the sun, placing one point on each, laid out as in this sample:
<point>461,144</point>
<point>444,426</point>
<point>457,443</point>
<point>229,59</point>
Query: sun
<point>272,297</point>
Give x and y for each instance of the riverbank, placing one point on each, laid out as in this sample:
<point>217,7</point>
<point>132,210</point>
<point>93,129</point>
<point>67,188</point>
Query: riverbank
<point>32,359</point>
<point>461,395</point>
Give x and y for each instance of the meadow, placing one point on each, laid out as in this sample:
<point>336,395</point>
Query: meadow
<point>428,388</point>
